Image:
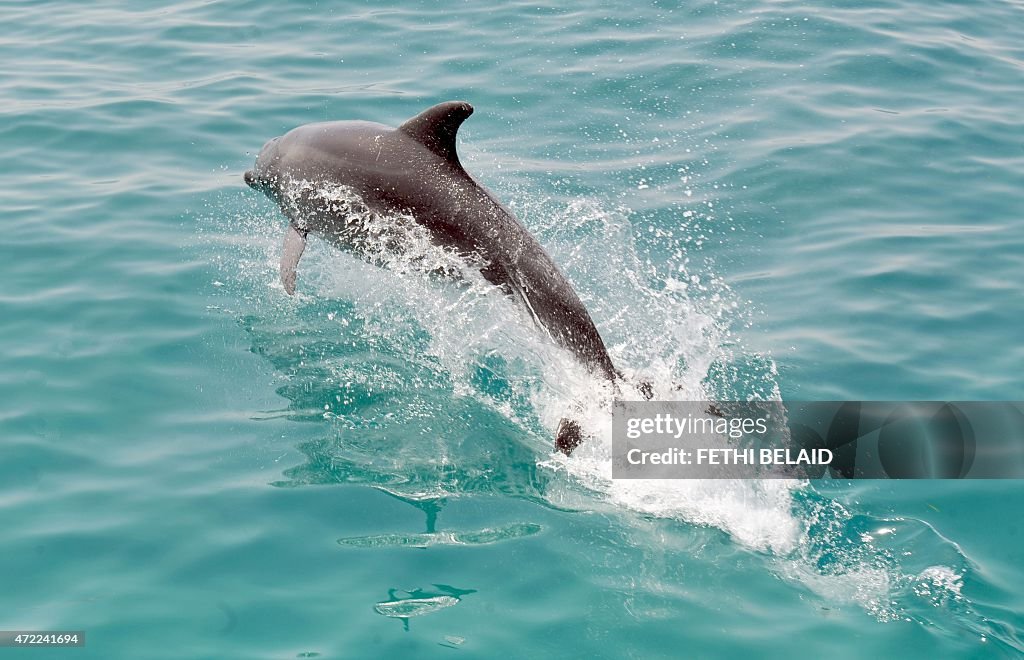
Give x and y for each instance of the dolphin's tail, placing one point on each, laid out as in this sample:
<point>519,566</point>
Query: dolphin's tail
<point>570,434</point>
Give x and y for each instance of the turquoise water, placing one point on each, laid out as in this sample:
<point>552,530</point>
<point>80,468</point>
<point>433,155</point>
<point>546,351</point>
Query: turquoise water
<point>818,200</point>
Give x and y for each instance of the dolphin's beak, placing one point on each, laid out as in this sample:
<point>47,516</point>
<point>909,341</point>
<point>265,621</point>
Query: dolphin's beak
<point>264,186</point>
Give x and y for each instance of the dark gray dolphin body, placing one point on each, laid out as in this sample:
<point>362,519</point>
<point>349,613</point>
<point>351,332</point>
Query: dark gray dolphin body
<point>414,170</point>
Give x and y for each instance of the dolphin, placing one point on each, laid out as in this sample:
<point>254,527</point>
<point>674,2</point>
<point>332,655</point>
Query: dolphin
<point>414,170</point>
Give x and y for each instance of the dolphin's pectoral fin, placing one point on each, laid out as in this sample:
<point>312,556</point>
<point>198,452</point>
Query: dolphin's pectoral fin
<point>569,436</point>
<point>435,128</point>
<point>294,244</point>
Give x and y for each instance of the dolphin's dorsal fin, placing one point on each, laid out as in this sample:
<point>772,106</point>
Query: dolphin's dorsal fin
<point>435,128</point>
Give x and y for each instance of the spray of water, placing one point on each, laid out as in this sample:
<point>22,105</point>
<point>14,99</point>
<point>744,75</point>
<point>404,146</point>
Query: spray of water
<point>417,323</point>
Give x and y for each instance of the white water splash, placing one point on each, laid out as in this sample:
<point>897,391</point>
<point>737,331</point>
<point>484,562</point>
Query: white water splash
<point>654,326</point>
<point>667,326</point>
